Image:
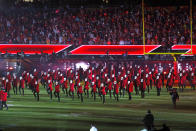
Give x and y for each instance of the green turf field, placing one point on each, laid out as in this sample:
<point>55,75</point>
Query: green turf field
<point>25,113</point>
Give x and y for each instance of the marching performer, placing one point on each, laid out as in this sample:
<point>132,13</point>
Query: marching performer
<point>21,85</point>
<point>57,91</point>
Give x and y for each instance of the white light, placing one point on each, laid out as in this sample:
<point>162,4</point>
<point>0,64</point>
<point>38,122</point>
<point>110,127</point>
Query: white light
<point>85,66</point>
<point>28,0</point>
<point>93,128</point>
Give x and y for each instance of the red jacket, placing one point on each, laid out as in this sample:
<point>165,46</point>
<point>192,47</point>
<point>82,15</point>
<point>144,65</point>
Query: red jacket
<point>98,83</point>
<point>25,76</point>
<point>194,80</point>
<point>80,90</point>
<point>49,78</point>
<point>15,82</point>
<point>124,83</point>
<point>4,83</point>
<point>35,74</point>
<point>130,76</point>
<point>77,81</point>
<point>110,85</point>
<point>116,87</point>
<point>61,79</point>
<point>29,79</point>
<point>45,77</point>
<point>184,79</point>
<point>113,79</point>
<point>65,84</point>
<point>1,95</point>
<point>22,82</point>
<point>57,88</point>
<point>37,88</point>
<point>103,90</point>
<point>4,96</point>
<point>90,75</point>
<point>147,81</point>
<point>86,86</point>
<point>8,86</point>
<point>130,87</point>
<point>170,82</point>
<point>50,86</point>
<point>112,72</point>
<point>72,87</point>
<point>94,88</point>
<point>33,82</point>
<point>150,77</point>
<point>9,77</point>
<point>138,81</point>
<point>159,83</point>
<point>54,75</point>
<point>143,86</point>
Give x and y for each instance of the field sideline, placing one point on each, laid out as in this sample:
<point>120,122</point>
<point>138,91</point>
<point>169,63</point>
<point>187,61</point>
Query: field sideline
<point>25,113</point>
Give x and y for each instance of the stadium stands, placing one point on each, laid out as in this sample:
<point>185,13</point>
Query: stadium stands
<point>82,26</point>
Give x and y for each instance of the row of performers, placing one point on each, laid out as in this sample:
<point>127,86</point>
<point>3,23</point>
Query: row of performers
<point>98,86</point>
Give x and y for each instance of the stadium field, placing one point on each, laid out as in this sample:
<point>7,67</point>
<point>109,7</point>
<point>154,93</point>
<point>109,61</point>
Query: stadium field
<point>25,113</point>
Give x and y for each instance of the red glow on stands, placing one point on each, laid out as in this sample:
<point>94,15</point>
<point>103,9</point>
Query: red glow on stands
<point>57,11</point>
<point>185,47</point>
<point>126,12</point>
<point>11,68</point>
<point>113,49</point>
<point>90,49</point>
<point>31,49</point>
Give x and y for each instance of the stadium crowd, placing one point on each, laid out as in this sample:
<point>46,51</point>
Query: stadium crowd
<point>104,79</point>
<point>112,25</point>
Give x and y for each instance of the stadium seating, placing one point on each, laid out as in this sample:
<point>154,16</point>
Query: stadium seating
<point>85,26</point>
